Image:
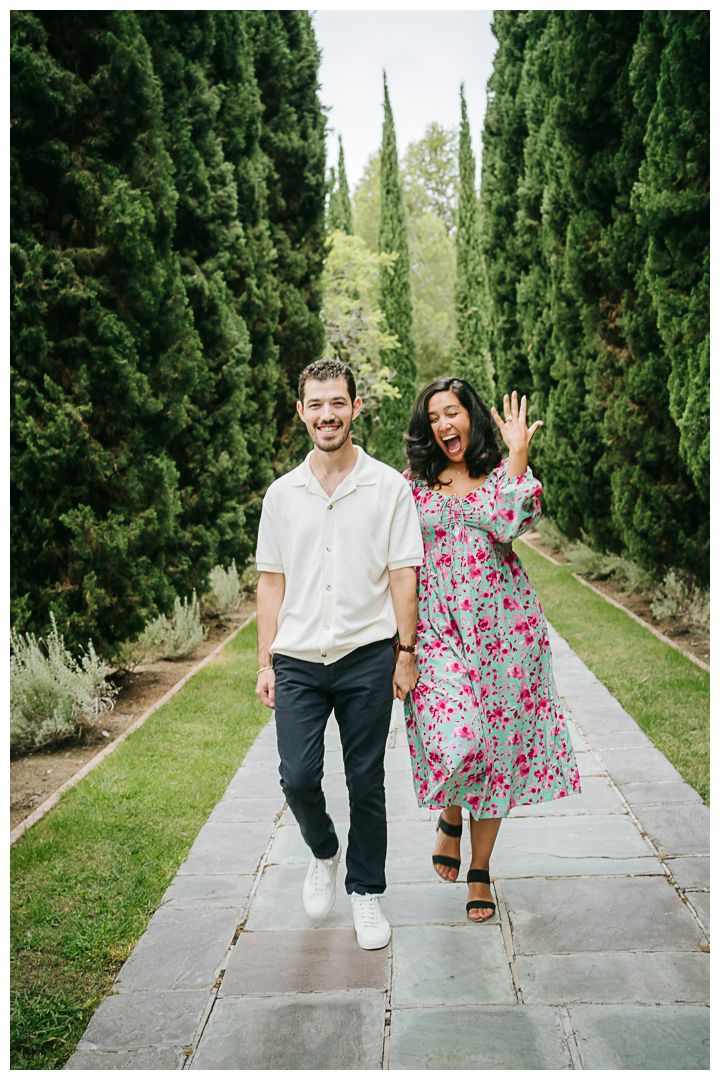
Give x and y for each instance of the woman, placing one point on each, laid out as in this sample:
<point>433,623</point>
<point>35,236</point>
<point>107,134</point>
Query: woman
<point>485,723</point>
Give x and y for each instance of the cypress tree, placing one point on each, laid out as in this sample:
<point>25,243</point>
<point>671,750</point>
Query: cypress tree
<point>292,137</point>
<point>471,354</point>
<point>104,352</point>
<point>210,452</point>
<point>504,134</point>
<point>595,261</point>
<point>673,203</point>
<point>395,298</point>
<point>340,208</point>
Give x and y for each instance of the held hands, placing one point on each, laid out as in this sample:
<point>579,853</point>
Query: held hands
<point>405,677</point>
<point>514,430</point>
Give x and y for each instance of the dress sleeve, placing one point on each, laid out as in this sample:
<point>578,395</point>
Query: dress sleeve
<point>515,504</point>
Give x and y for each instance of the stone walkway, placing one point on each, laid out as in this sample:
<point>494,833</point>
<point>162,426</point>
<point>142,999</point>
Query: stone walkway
<point>597,958</point>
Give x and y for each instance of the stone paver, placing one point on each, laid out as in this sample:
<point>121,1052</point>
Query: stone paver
<point>677,830</point>
<point>180,950</point>
<point>690,873</point>
<point>450,965</point>
<point>126,1021</point>
<point>647,977</point>
<point>145,1058</point>
<point>302,961</point>
<point>304,1032</point>
<point>663,793</point>
<point>490,1037</point>
<point>596,957</point>
<point>599,915</point>
<point>642,1037</point>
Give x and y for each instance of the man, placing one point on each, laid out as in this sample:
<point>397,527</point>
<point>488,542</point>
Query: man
<point>338,544</point>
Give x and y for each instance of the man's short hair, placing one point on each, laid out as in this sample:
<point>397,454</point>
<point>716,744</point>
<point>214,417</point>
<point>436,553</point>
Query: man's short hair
<point>322,370</point>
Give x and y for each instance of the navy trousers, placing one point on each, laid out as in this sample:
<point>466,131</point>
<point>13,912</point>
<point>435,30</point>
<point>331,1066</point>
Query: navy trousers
<point>359,689</point>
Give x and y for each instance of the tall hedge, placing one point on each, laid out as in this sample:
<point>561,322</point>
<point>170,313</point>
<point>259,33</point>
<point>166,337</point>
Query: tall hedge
<point>594,231</point>
<point>153,262</point>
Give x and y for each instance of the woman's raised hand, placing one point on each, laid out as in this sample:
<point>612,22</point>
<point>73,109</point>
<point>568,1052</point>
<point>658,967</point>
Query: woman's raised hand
<point>514,430</point>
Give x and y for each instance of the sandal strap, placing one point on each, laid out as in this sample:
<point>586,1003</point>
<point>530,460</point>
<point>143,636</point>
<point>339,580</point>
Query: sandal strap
<point>472,904</point>
<point>449,830</point>
<point>483,876</point>
<point>446,860</point>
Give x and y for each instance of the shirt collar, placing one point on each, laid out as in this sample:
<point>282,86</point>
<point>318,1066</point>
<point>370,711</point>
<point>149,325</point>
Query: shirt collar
<point>362,475</point>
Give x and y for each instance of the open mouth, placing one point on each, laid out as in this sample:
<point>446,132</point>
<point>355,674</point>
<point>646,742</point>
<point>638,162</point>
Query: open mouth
<point>453,444</point>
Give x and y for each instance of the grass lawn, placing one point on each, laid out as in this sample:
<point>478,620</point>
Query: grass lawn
<point>88,876</point>
<point>664,692</point>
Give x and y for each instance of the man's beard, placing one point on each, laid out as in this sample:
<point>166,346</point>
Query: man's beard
<point>341,437</point>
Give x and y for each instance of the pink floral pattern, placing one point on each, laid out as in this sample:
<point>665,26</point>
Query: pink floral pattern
<point>485,722</point>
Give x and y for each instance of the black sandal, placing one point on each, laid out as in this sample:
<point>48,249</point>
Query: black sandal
<point>447,860</point>
<point>484,877</point>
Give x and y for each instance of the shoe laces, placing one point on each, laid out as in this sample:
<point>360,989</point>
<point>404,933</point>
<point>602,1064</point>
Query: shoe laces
<point>321,873</point>
<point>368,910</point>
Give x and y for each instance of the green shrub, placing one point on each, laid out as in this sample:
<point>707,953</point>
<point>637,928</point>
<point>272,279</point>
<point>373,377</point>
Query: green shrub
<point>681,599</point>
<point>52,695</point>
<point>224,593</point>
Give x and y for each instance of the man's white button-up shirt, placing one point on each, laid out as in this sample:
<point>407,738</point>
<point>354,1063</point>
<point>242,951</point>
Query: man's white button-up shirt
<point>335,552</point>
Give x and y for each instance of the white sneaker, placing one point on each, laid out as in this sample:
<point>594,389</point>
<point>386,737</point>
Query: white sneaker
<point>319,887</point>
<point>371,926</point>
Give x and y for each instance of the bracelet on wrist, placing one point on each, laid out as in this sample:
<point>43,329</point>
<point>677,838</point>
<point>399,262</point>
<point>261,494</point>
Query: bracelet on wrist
<point>268,668</point>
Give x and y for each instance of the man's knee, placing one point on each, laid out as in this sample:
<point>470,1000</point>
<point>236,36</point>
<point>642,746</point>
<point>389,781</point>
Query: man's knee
<point>302,784</point>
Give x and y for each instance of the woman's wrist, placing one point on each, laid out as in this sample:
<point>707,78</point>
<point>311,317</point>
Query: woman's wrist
<point>517,463</point>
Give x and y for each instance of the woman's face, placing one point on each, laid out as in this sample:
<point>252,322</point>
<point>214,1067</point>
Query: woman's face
<point>450,423</point>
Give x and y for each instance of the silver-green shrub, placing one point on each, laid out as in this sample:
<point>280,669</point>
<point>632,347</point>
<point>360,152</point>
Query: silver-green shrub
<point>163,640</point>
<point>682,600</point>
<point>187,632</point>
<point>224,593</point>
<point>550,535</point>
<point>52,695</point>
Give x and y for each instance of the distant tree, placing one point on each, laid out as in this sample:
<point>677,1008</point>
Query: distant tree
<point>340,215</point>
<point>395,297</point>
<point>355,327</point>
<point>366,202</point>
<point>432,277</point>
<point>471,352</point>
<point>430,175</point>
<point>430,215</point>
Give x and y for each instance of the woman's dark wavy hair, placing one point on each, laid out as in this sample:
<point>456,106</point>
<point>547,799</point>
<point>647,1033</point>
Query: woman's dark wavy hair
<point>426,459</point>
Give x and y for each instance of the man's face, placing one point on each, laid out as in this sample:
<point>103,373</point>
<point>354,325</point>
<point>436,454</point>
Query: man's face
<point>327,412</point>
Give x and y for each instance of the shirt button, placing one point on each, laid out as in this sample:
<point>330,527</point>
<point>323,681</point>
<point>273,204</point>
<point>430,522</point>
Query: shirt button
<point>323,654</point>
<point>329,588</point>
<point>330,506</point>
<point>328,549</point>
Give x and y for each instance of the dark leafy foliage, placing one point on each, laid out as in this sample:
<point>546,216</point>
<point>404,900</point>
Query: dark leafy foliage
<point>167,198</point>
<point>594,230</point>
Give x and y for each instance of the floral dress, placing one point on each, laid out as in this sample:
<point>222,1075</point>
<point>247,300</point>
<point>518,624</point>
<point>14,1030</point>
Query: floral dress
<point>485,722</point>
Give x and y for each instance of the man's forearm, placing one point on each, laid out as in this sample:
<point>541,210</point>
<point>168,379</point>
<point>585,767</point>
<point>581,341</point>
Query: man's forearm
<point>403,588</point>
<point>270,595</point>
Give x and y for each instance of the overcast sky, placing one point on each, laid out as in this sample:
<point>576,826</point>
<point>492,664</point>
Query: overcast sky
<point>426,55</point>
